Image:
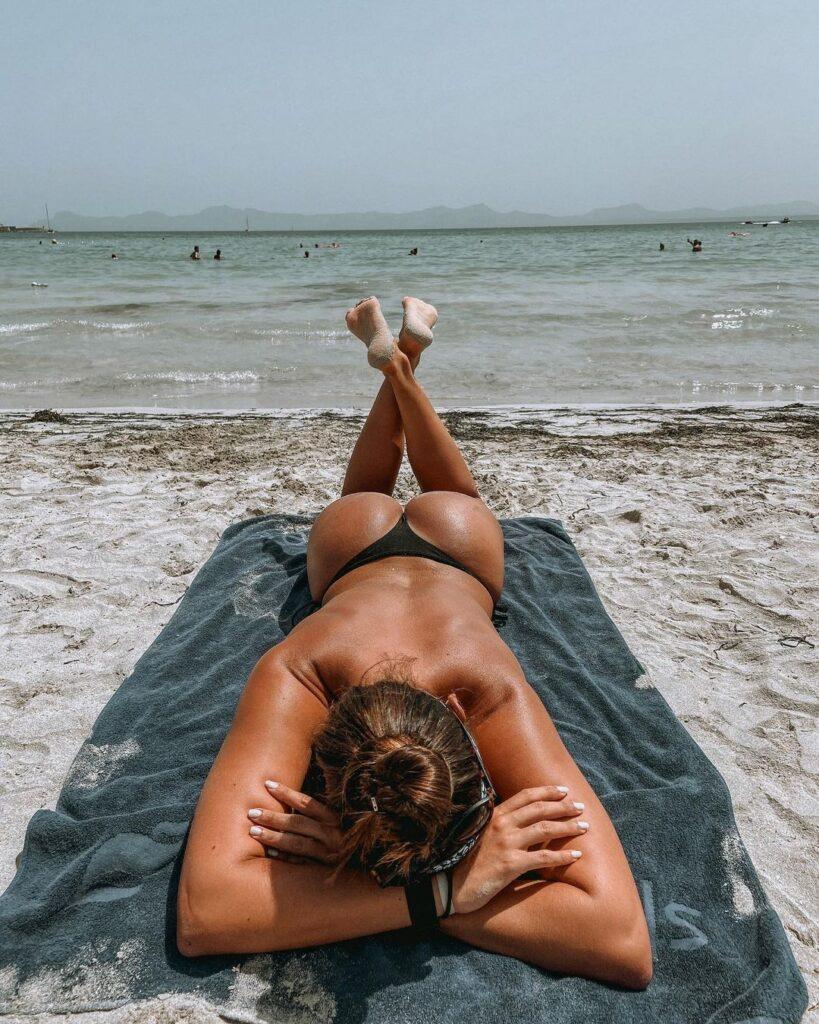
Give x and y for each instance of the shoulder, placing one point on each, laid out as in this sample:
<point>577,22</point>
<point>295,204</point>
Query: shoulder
<point>484,673</point>
<point>286,669</point>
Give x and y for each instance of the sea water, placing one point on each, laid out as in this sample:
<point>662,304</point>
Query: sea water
<point>540,316</point>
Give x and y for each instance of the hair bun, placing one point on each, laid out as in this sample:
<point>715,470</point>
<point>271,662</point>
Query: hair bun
<point>410,774</point>
<point>397,768</point>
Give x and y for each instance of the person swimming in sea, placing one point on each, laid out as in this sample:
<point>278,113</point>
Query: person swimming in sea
<point>662,246</point>
<point>414,252</point>
<point>195,254</point>
<point>218,254</point>
<point>696,244</point>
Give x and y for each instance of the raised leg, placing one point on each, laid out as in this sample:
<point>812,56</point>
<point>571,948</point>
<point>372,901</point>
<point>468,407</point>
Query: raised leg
<point>379,450</point>
<point>434,456</point>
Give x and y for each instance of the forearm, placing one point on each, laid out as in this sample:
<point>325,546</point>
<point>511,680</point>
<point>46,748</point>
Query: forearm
<point>269,905</point>
<point>557,927</point>
<point>529,921</point>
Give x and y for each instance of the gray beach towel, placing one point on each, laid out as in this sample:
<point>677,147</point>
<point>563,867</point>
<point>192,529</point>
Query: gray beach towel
<point>88,921</point>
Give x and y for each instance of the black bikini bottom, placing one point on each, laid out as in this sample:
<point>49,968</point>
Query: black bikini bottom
<point>403,542</point>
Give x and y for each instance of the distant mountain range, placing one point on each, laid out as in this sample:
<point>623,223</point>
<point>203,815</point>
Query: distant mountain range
<point>228,218</point>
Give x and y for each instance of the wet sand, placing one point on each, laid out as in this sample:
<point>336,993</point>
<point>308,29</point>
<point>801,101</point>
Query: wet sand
<point>699,528</point>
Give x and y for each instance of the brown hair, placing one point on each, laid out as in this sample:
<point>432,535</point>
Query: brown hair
<point>397,768</point>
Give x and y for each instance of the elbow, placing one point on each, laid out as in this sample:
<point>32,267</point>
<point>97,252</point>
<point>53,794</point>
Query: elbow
<point>635,971</point>
<point>209,923</point>
<point>191,942</point>
<point>628,961</point>
<point>203,927</point>
<point>195,935</point>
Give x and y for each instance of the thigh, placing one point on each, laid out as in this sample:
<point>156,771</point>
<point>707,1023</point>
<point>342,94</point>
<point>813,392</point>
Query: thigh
<point>342,530</point>
<point>464,528</point>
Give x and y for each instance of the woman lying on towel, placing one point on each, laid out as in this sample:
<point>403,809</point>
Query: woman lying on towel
<point>449,798</point>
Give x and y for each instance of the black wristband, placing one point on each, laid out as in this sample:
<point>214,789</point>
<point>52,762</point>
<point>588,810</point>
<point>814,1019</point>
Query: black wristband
<point>421,903</point>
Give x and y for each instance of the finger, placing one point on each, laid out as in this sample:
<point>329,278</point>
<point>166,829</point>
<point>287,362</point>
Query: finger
<point>287,858</point>
<point>539,859</point>
<point>533,795</point>
<point>300,802</point>
<point>546,831</point>
<point>288,842</point>
<point>280,821</point>
<point>541,810</point>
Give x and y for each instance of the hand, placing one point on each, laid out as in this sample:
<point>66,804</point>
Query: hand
<point>516,841</point>
<point>309,831</point>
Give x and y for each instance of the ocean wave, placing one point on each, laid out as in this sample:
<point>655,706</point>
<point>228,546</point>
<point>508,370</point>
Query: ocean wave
<point>121,308</point>
<point>733,319</point>
<point>22,328</point>
<point>733,387</point>
<point>293,332</point>
<point>185,377</point>
<point>29,385</point>
<point>105,325</point>
<point>61,323</point>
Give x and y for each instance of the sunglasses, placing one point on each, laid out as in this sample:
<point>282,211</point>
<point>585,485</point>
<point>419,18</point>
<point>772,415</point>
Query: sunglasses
<point>464,831</point>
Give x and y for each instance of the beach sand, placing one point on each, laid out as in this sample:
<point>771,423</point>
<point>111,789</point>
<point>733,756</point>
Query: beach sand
<point>698,526</point>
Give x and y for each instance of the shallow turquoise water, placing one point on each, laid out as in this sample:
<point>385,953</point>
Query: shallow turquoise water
<point>556,315</point>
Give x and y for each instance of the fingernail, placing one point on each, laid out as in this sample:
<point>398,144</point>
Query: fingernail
<point>583,824</point>
<point>254,812</point>
<point>255,831</point>
<point>272,853</point>
<point>577,853</point>
<point>271,784</point>
<point>579,807</point>
<point>562,789</point>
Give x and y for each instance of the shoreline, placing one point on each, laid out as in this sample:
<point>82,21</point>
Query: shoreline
<point>695,522</point>
<point>283,411</point>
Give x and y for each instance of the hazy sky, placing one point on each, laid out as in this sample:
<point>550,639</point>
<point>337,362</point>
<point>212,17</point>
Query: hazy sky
<point>305,106</point>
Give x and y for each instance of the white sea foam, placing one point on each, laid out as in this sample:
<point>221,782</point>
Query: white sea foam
<point>22,328</point>
<point>183,377</point>
<point>41,384</point>
<point>66,323</point>
<point>106,325</point>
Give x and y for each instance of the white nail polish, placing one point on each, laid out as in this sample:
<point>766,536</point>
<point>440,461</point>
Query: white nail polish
<point>255,831</point>
<point>254,813</point>
<point>577,853</point>
<point>579,807</point>
<point>583,824</point>
<point>271,784</point>
<point>272,853</point>
<point>562,789</point>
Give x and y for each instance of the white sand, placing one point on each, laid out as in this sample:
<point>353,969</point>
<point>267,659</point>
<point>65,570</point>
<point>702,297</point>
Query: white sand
<point>699,528</point>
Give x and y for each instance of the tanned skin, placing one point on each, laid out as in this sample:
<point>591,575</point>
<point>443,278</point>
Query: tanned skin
<point>583,918</point>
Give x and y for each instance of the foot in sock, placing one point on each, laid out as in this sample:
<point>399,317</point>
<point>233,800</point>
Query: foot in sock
<point>366,321</point>
<point>416,330</point>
